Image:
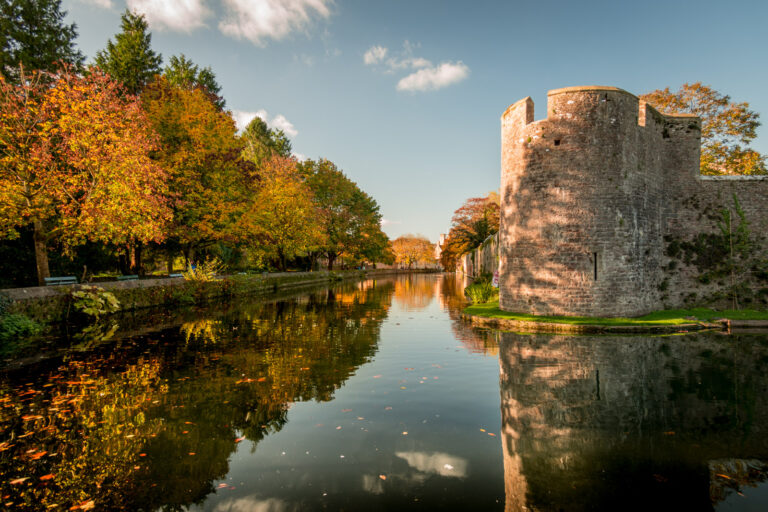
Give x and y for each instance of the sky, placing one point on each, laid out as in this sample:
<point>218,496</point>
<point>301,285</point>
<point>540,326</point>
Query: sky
<point>405,96</point>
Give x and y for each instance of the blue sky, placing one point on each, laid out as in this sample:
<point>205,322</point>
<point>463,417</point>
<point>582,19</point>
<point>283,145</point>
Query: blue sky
<point>405,96</point>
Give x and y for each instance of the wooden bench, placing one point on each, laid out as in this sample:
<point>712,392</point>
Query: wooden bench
<point>175,275</point>
<point>127,278</point>
<point>60,281</point>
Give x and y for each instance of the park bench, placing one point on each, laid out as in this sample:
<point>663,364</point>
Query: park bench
<point>127,278</point>
<point>175,275</point>
<point>60,281</point>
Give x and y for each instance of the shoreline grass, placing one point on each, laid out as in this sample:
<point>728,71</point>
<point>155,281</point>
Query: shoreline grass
<point>668,317</point>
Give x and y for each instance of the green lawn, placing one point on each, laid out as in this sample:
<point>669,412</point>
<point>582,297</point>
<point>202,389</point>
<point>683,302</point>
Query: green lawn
<point>668,317</point>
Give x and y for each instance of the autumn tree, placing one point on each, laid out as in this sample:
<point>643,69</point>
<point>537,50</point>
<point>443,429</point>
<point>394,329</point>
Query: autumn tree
<point>33,34</point>
<point>130,59</point>
<point>281,221</point>
<point>207,177</point>
<point>74,164</point>
<point>182,72</point>
<point>477,219</point>
<point>412,250</point>
<point>350,217</point>
<point>726,131</point>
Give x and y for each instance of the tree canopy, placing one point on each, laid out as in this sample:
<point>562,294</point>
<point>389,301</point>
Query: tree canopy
<point>727,127</point>
<point>182,72</point>
<point>350,217</point>
<point>410,250</point>
<point>130,59</point>
<point>261,142</point>
<point>33,34</point>
<point>477,219</point>
<point>74,163</point>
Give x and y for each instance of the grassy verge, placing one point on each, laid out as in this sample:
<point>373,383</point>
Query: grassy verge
<point>668,317</point>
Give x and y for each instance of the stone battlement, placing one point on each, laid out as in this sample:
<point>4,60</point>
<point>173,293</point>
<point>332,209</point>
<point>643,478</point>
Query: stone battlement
<point>589,194</point>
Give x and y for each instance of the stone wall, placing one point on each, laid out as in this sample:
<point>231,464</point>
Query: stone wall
<point>588,196</point>
<point>482,260</point>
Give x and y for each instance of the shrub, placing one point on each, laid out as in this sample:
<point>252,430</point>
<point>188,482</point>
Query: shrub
<point>480,293</point>
<point>16,326</point>
<point>94,301</point>
<point>206,271</point>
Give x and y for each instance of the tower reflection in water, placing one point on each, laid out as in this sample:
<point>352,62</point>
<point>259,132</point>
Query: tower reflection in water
<point>632,423</point>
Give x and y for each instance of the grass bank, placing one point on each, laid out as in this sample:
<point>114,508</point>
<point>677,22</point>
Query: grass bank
<point>660,321</point>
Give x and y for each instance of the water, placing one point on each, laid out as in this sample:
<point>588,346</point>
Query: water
<point>374,396</point>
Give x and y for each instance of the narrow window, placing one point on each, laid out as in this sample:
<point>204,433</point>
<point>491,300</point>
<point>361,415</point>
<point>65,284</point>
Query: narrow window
<point>557,142</point>
<point>594,259</point>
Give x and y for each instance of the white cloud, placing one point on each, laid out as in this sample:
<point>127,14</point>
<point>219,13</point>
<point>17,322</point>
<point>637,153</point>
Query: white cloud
<point>259,20</point>
<point>387,222</point>
<point>177,15</point>
<point>253,504</point>
<point>374,55</point>
<point>300,156</point>
<point>433,78</point>
<point>106,4</point>
<point>279,122</point>
<point>437,463</point>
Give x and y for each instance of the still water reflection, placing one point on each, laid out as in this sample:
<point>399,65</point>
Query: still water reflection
<point>375,396</point>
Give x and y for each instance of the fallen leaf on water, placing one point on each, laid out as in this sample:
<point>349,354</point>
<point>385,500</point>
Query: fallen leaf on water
<point>189,423</point>
<point>261,379</point>
<point>223,485</point>
<point>377,376</point>
<point>142,455</point>
<point>482,430</point>
<point>360,418</point>
<point>403,387</point>
<point>185,432</point>
<point>239,439</point>
<point>338,428</point>
<point>670,433</point>
<point>49,476</point>
<point>191,453</point>
<point>405,433</point>
<point>305,369</point>
<point>716,474</point>
<point>346,410</point>
<point>388,408</point>
<point>383,477</point>
<point>19,480</point>
<point>491,434</point>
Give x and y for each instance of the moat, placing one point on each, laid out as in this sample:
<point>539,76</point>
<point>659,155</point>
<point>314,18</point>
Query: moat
<point>375,396</point>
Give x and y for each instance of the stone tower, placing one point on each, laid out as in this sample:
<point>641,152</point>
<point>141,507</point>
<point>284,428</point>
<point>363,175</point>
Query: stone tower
<point>587,194</point>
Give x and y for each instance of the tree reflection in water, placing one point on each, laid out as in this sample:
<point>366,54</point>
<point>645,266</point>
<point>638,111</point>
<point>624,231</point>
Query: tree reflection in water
<point>150,422</point>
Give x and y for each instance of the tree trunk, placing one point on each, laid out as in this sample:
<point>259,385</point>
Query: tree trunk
<point>139,264</point>
<point>331,259</point>
<point>169,264</point>
<point>41,253</point>
<point>281,260</point>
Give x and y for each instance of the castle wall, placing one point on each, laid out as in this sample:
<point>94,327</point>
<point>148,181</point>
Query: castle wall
<point>589,195</point>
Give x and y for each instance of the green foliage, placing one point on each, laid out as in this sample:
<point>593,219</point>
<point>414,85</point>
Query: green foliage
<point>481,293</point>
<point>261,143</point>
<point>130,59</point>
<point>33,34</point>
<point>5,304</point>
<point>206,271</point>
<point>351,218</point>
<point>16,326</point>
<point>94,301</point>
<point>182,72</point>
